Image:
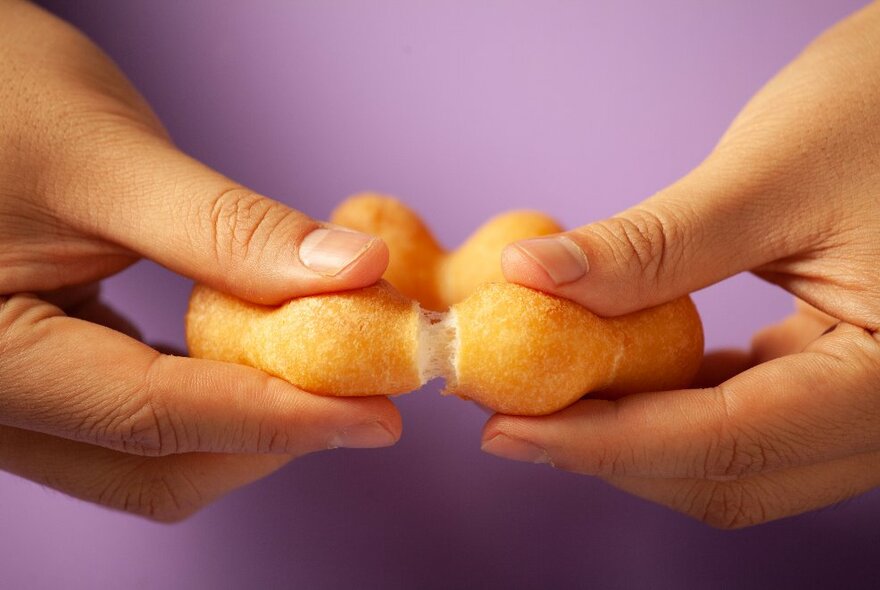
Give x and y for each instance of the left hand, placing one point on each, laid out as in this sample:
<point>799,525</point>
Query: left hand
<point>89,183</point>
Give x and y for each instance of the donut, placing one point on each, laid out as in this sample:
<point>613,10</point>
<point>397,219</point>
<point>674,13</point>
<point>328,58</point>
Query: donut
<point>419,268</point>
<point>449,315</point>
<point>360,342</point>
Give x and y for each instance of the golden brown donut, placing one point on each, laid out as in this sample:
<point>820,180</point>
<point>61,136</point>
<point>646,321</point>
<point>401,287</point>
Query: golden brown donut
<point>351,343</point>
<point>415,255</point>
<point>510,348</point>
<point>419,268</point>
<point>523,352</point>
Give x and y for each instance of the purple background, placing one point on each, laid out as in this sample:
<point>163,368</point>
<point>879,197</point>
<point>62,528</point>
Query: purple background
<point>464,110</point>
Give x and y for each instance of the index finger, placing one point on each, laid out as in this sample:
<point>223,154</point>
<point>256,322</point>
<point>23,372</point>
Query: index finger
<point>70,378</point>
<point>814,406</point>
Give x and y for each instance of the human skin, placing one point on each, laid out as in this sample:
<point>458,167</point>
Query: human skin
<point>89,183</point>
<point>792,194</point>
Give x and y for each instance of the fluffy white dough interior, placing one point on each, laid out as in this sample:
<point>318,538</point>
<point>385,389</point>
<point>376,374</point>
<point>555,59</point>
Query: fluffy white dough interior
<point>438,347</point>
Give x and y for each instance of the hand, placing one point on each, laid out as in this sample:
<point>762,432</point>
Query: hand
<point>791,193</point>
<point>89,182</point>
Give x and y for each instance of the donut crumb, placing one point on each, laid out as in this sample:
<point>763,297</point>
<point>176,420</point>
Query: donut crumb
<point>438,347</point>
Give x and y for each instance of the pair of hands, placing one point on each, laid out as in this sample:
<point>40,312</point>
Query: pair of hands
<point>89,183</point>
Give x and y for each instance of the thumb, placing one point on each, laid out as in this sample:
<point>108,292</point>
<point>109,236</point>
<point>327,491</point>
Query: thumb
<point>704,228</point>
<point>168,207</point>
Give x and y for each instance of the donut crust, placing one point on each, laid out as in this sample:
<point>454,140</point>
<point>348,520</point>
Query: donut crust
<point>510,348</point>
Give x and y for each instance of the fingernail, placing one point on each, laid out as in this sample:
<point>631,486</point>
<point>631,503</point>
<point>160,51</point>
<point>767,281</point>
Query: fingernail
<point>363,436</point>
<point>559,256</point>
<point>330,251</point>
<point>508,447</point>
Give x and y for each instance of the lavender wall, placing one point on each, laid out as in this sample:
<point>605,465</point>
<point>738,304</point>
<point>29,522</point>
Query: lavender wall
<point>464,109</point>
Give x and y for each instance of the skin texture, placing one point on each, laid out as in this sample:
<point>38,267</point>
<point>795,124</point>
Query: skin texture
<point>89,183</point>
<point>87,178</point>
<point>791,194</point>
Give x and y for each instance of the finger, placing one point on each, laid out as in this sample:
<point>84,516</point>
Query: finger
<point>68,298</point>
<point>162,204</point>
<point>78,380</point>
<point>757,201</point>
<point>801,409</point>
<point>760,200</point>
<point>166,489</point>
<point>84,302</point>
<point>721,365</point>
<point>691,235</point>
<point>791,335</point>
<point>762,498</point>
<point>167,349</point>
<point>98,312</point>
<point>817,315</point>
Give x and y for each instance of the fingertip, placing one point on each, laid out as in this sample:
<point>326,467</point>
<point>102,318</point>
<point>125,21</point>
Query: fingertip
<point>502,424</point>
<point>370,410</point>
<point>386,414</point>
<point>331,260</point>
<point>511,437</point>
<point>490,428</point>
<point>558,265</point>
<point>373,423</point>
<point>269,287</point>
<point>332,409</point>
<point>522,269</point>
<point>368,268</point>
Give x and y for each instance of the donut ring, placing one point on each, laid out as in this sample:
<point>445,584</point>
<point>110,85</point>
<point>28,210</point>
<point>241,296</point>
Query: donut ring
<point>418,267</point>
<point>510,348</point>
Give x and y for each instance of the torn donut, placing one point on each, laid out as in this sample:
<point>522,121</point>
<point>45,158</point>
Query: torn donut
<point>510,348</point>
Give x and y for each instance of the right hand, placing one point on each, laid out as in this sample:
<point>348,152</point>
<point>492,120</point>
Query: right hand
<point>89,183</point>
<point>790,194</point>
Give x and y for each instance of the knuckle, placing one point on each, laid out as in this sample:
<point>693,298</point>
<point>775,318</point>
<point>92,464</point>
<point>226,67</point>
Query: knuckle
<point>146,425</point>
<point>272,440</point>
<point>737,448</point>
<point>613,462</point>
<point>12,312</point>
<point>242,223</point>
<point>651,241</point>
<point>169,500</point>
<point>21,316</point>
<point>154,492</point>
<point>728,505</point>
<point>733,454</point>
<point>722,505</point>
<point>149,430</point>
